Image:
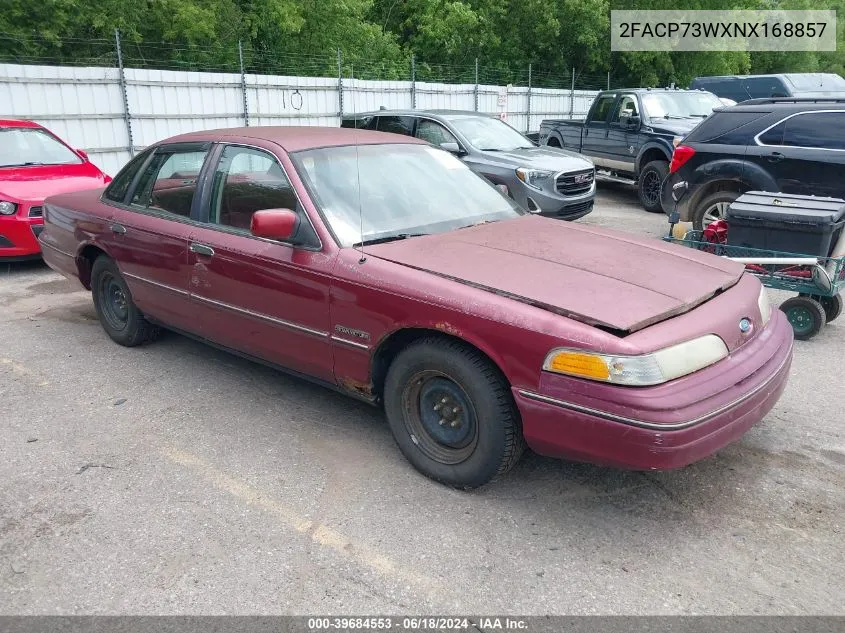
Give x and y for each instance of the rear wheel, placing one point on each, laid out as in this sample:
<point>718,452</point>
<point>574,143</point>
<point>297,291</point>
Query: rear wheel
<point>553,142</point>
<point>650,185</point>
<point>713,207</point>
<point>805,315</point>
<point>452,413</point>
<point>118,315</point>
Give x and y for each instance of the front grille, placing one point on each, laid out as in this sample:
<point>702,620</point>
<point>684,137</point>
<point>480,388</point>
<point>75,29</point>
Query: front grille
<point>36,212</point>
<point>575,183</point>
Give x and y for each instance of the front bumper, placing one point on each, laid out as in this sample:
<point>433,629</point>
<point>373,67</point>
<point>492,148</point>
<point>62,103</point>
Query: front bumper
<point>19,237</point>
<point>554,205</point>
<point>666,426</point>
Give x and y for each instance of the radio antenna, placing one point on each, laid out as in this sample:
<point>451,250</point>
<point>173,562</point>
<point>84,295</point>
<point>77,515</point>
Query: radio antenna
<point>363,255</point>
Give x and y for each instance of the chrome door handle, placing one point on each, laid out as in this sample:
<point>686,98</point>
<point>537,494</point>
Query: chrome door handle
<point>202,249</point>
<point>118,228</point>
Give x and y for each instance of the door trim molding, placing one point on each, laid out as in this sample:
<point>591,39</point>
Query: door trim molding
<point>261,316</point>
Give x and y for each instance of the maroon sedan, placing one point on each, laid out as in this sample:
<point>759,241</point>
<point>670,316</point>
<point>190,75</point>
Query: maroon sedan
<point>385,268</point>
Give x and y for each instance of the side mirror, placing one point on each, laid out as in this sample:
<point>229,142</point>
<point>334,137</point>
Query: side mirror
<point>275,224</point>
<point>83,155</point>
<point>632,121</point>
<point>452,148</point>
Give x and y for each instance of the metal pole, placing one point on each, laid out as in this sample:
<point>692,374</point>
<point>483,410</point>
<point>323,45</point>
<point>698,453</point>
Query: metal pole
<point>528,114</point>
<point>413,82</point>
<point>243,83</point>
<point>572,95</point>
<point>476,84</point>
<point>126,118</point>
<point>608,80</point>
<point>340,83</point>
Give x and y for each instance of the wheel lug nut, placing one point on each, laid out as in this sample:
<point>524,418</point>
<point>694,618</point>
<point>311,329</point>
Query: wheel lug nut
<point>456,410</point>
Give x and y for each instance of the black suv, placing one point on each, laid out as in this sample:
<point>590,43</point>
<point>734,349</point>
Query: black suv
<point>782,145</point>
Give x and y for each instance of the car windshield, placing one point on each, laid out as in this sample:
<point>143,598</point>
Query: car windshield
<point>25,147</point>
<point>375,193</point>
<point>680,105</point>
<point>489,134</point>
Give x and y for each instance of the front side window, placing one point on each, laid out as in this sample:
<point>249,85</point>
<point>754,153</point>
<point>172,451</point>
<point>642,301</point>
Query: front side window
<point>434,133</point>
<point>822,130</point>
<point>627,108</point>
<point>248,180</point>
<point>380,192</point>
<point>169,182</point>
<point>488,134</point>
<point>30,147</point>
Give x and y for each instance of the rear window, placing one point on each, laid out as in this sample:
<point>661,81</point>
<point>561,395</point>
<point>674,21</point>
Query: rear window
<point>720,124</point>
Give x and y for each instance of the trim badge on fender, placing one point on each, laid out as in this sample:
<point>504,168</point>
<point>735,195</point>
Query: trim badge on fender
<point>360,334</point>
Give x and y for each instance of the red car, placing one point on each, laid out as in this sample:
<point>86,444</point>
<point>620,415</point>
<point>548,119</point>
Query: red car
<point>35,164</point>
<point>383,267</point>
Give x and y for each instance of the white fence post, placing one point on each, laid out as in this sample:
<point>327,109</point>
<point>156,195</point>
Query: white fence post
<point>243,83</point>
<point>126,117</point>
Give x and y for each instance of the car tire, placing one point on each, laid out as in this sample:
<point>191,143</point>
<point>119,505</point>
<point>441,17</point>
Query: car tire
<point>650,185</point>
<point>805,315</point>
<point>553,142</point>
<point>451,413</point>
<point>712,208</point>
<point>118,314</point>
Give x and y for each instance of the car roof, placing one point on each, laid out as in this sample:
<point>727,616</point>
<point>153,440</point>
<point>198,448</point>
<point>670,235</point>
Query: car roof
<point>787,104</point>
<point>649,90</point>
<point>19,123</point>
<point>295,138</point>
<point>433,113</point>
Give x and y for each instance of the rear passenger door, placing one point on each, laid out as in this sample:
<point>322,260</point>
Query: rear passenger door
<point>396,124</point>
<point>594,140</point>
<point>150,228</point>
<point>805,153</point>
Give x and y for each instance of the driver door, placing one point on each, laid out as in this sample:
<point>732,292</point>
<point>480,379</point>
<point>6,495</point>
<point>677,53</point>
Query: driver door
<point>266,298</point>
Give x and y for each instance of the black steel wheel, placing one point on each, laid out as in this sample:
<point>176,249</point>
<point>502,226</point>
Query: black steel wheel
<point>832,306</point>
<point>452,413</point>
<point>650,185</point>
<point>118,315</point>
<point>805,315</point>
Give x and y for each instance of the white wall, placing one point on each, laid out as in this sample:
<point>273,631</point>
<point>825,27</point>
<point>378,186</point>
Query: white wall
<point>85,106</point>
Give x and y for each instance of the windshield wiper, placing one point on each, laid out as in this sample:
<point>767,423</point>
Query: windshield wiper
<point>702,116</point>
<point>389,238</point>
<point>33,163</point>
<point>674,116</point>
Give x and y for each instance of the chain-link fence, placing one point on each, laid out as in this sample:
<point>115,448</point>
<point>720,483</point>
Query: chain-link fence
<point>113,97</point>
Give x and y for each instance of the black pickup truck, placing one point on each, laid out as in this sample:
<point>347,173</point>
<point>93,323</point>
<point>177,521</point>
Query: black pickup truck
<point>630,134</point>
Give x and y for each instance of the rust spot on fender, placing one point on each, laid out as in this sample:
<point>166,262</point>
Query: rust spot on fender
<point>358,388</point>
<point>448,328</point>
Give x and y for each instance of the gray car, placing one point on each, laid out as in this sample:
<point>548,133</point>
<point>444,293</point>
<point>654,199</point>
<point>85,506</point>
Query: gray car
<point>551,181</point>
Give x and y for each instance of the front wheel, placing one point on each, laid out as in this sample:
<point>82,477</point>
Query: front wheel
<point>805,315</point>
<point>452,413</point>
<point>118,315</point>
<point>651,185</point>
<point>832,306</point>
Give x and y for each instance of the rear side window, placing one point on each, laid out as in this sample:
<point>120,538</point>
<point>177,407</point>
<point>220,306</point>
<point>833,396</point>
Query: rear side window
<point>602,108</point>
<point>116,191</point>
<point>727,127</point>
<point>169,182</point>
<point>822,130</point>
<point>774,136</point>
<point>396,124</point>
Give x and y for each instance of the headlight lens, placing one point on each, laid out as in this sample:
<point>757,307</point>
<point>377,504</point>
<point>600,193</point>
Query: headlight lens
<point>533,177</point>
<point>8,208</point>
<point>639,371</point>
<point>765,306</point>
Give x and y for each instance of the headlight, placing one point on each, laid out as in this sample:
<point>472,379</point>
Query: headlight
<point>765,306</point>
<point>639,371</point>
<point>8,208</point>
<point>533,177</point>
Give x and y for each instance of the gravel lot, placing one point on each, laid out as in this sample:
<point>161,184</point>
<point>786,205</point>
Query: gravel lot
<point>175,478</point>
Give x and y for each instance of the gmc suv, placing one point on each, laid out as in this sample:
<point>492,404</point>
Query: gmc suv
<point>783,145</point>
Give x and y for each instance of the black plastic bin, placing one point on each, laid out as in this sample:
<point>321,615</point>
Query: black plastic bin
<point>785,222</point>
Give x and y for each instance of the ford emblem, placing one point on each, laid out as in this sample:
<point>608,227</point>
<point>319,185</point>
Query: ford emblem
<point>745,326</point>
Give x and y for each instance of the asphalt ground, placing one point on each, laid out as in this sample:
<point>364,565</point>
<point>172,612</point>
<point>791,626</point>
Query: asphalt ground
<point>178,479</point>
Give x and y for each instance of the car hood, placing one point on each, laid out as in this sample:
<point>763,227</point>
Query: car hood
<point>598,276</point>
<point>34,184</point>
<point>675,127</point>
<point>546,158</point>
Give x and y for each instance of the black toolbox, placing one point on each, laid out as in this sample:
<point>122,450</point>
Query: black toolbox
<point>785,222</point>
